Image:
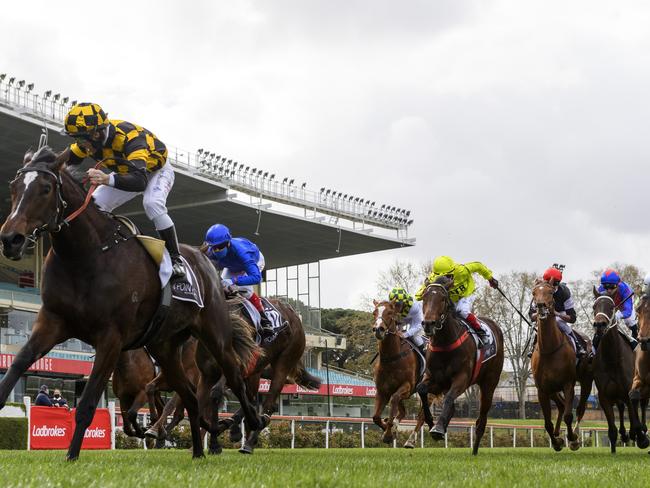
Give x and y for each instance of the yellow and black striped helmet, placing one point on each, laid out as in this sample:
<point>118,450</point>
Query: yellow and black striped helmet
<point>400,295</point>
<point>84,118</point>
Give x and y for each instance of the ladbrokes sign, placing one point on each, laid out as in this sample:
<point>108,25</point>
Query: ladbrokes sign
<point>52,428</point>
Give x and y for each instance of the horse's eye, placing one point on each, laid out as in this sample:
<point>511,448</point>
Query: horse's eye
<point>47,188</point>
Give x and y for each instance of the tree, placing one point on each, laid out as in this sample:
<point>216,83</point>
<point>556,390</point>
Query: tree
<point>405,274</point>
<point>516,333</point>
<point>361,344</point>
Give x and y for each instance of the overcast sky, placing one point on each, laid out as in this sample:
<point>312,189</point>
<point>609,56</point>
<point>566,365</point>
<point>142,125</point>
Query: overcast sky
<point>516,132</point>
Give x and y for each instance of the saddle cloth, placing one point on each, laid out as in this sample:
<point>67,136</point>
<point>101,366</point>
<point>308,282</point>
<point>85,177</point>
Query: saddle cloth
<point>422,361</point>
<point>489,346</point>
<point>274,316</point>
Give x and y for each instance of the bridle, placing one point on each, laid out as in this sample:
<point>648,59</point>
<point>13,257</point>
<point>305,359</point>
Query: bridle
<point>437,325</point>
<point>387,324</point>
<point>543,308</point>
<point>611,321</point>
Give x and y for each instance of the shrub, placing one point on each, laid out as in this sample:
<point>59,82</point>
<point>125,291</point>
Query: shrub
<point>13,432</point>
<point>123,441</point>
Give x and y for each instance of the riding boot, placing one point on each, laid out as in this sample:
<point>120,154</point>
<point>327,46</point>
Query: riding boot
<point>475,324</point>
<point>265,323</point>
<point>634,330</point>
<point>595,341</point>
<point>532,346</point>
<point>171,243</point>
<point>580,350</point>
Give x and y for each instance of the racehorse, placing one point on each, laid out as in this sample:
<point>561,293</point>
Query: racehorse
<point>159,428</point>
<point>104,289</point>
<point>640,390</point>
<point>133,372</point>
<point>613,369</point>
<point>282,356</point>
<point>452,362</point>
<point>396,373</point>
<point>555,372</point>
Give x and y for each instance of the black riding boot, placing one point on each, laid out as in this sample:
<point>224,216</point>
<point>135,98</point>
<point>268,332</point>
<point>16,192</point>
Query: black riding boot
<point>171,243</point>
<point>532,346</point>
<point>580,350</point>
<point>265,324</point>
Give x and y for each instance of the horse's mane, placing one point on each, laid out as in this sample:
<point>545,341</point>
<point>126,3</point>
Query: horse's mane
<point>443,280</point>
<point>44,155</point>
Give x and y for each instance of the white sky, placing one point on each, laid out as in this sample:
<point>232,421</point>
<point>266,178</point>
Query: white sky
<point>516,132</point>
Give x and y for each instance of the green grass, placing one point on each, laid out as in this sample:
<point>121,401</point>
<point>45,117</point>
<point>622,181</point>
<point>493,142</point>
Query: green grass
<point>330,468</point>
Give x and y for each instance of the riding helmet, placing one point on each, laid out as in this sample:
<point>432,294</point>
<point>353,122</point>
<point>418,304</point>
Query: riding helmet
<point>610,277</point>
<point>85,118</point>
<point>400,295</point>
<point>443,265</point>
<point>552,273</point>
<point>217,235</point>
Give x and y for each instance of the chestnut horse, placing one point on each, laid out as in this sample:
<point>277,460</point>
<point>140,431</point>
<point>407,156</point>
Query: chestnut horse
<point>134,370</point>
<point>104,289</point>
<point>613,369</point>
<point>640,390</point>
<point>452,363</point>
<point>555,371</point>
<point>396,373</point>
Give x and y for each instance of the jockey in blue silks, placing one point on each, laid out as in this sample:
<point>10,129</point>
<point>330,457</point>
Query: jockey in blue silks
<point>623,300</point>
<point>241,263</point>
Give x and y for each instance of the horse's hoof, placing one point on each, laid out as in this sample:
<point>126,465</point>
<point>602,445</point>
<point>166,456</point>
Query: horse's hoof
<point>246,449</point>
<point>215,451</point>
<point>198,455</point>
<point>151,434</point>
<point>558,444</point>
<point>387,440</point>
<point>625,439</point>
<point>409,445</point>
<point>235,435</point>
<point>71,458</point>
<point>642,441</point>
<point>574,445</point>
<point>437,434</point>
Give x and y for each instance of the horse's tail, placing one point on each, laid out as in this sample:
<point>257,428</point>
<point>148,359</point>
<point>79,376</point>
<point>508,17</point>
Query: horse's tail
<point>246,350</point>
<point>305,379</point>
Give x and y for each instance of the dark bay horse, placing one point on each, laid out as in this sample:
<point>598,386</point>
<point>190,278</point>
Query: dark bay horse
<point>555,372</point>
<point>104,291</point>
<point>640,389</point>
<point>613,369</point>
<point>282,358</point>
<point>452,360</point>
<point>134,370</point>
<point>396,372</point>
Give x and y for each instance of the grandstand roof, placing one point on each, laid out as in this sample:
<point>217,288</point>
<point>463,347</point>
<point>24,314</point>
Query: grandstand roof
<point>197,202</point>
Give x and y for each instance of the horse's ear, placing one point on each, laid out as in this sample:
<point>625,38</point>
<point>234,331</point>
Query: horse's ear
<point>27,158</point>
<point>375,302</point>
<point>450,282</point>
<point>596,293</point>
<point>61,158</point>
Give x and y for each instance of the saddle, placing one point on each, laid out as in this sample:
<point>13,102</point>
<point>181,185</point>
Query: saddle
<point>253,317</point>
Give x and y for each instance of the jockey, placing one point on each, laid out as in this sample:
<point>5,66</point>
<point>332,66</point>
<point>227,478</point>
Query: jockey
<point>242,264</point>
<point>610,280</point>
<point>565,312</point>
<point>412,317</point>
<point>463,287</point>
<point>137,160</point>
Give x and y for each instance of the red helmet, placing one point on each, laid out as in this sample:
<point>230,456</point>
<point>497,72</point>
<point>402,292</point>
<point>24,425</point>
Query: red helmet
<point>552,274</point>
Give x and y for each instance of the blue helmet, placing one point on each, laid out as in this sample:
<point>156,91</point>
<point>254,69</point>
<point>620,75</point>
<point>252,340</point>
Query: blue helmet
<point>218,236</point>
<point>610,277</point>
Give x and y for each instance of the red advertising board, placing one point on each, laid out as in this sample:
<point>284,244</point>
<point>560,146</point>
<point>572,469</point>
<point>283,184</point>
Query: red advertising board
<point>52,428</point>
<point>335,390</point>
<point>52,365</point>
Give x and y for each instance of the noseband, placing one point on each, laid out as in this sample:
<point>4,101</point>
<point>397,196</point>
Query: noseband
<point>387,324</point>
<point>611,321</point>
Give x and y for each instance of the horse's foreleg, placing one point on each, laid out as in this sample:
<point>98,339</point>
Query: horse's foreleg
<point>621,416</point>
<point>458,386</point>
<point>485,403</point>
<point>423,392</point>
<point>640,436</point>
<point>138,402</point>
<point>105,360</point>
<point>569,393</point>
<point>151,390</point>
<point>46,333</point>
<point>410,442</point>
<point>545,405</point>
<point>559,403</point>
<point>380,403</point>
<point>608,409</point>
<point>395,400</point>
<point>159,429</point>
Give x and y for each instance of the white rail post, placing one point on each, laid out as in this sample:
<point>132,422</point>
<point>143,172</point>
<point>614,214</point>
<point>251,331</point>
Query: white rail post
<point>363,435</point>
<point>491,436</point>
<point>327,434</point>
<point>446,440</point>
<point>582,437</point>
<point>111,412</point>
<point>205,439</point>
<point>422,436</point>
<point>28,410</point>
<point>532,442</point>
<point>293,433</point>
<point>597,438</point>
<point>514,437</point>
<point>471,436</point>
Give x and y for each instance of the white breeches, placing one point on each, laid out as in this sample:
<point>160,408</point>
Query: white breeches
<point>464,305</point>
<point>245,291</point>
<point>630,321</point>
<point>154,197</point>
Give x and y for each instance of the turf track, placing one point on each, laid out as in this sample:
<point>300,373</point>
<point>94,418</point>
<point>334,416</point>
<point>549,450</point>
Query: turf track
<point>331,468</point>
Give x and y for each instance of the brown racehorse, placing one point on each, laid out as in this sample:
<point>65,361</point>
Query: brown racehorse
<point>396,372</point>
<point>104,290</point>
<point>283,356</point>
<point>640,390</point>
<point>452,365</point>
<point>613,369</point>
<point>133,371</point>
<point>554,370</point>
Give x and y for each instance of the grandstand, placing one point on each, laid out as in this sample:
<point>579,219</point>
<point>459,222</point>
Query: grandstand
<point>295,227</point>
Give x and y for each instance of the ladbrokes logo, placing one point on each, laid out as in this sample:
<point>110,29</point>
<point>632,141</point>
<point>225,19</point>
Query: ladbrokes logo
<point>371,391</point>
<point>45,431</point>
<point>343,390</point>
<point>96,433</point>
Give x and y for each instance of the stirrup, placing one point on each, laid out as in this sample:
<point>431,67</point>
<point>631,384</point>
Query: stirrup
<point>178,268</point>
